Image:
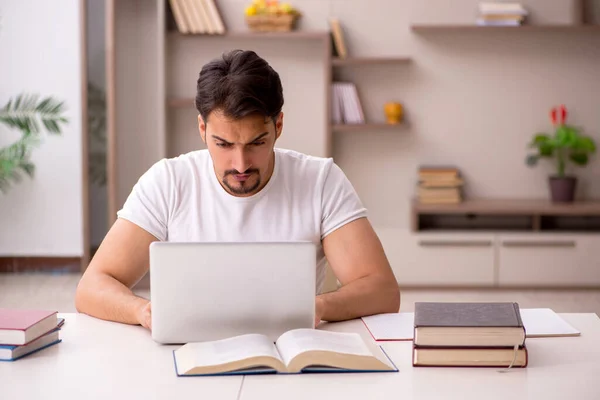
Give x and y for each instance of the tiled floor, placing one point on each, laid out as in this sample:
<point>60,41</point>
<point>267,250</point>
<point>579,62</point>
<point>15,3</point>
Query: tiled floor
<point>58,291</point>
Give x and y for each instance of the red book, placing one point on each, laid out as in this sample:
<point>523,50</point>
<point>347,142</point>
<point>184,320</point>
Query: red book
<point>21,326</point>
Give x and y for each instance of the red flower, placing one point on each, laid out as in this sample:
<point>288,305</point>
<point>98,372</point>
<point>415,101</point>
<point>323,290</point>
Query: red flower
<point>558,115</point>
<point>563,114</point>
<point>553,113</point>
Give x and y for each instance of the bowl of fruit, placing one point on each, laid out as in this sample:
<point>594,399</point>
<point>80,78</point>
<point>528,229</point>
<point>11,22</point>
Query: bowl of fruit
<point>271,16</point>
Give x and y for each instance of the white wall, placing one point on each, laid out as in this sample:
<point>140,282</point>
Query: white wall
<point>40,47</point>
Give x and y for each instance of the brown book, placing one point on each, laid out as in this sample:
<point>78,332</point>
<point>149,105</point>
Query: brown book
<point>468,325</point>
<point>441,183</point>
<point>470,357</point>
<point>437,192</point>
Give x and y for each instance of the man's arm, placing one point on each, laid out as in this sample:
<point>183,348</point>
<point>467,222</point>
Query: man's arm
<point>369,286</point>
<point>120,262</point>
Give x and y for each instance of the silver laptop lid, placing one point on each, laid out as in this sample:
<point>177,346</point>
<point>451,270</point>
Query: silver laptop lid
<point>210,291</point>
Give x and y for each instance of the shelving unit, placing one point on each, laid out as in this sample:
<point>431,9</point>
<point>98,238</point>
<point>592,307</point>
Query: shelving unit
<point>363,61</point>
<point>449,28</point>
<point>359,62</point>
<point>507,215</point>
<point>365,127</point>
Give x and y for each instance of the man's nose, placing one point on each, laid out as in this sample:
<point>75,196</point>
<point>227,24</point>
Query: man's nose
<point>241,161</point>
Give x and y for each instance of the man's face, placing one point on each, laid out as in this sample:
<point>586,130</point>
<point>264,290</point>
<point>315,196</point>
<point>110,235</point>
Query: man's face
<point>241,150</point>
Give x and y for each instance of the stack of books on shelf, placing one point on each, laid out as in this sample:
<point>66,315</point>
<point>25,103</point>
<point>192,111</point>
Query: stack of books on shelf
<point>501,14</point>
<point>469,335</point>
<point>197,17</point>
<point>439,185</point>
<point>346,106</point>
<point>23,332</point>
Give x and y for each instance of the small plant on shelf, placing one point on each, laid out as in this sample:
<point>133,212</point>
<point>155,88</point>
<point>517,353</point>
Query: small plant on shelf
<point>566,145</point>
<point>271,16</point>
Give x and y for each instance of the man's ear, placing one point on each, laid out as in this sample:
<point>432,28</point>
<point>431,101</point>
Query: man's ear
<point>202,128</point>
<point>278,125</point>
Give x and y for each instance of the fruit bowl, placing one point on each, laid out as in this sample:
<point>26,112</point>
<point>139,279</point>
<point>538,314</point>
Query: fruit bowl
<point>271,16</point>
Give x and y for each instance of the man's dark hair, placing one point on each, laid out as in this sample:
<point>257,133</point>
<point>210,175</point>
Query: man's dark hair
<point>240,83</point>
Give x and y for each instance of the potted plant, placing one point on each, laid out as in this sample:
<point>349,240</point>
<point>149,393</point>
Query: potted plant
<point>566,145</point>
<point>28,114</point>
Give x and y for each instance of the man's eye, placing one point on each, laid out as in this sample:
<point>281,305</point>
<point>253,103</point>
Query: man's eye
<point>223,144</point>
<point>258,143</point>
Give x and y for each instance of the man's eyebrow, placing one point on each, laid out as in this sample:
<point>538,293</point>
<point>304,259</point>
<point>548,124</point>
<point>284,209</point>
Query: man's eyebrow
<point>262,135</point>
<point>252,141</point>
<point>221,139</point>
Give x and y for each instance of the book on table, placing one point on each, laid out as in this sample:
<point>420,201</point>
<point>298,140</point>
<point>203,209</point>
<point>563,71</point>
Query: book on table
<point>296,351</point>
<point>21,326</point>
<point>469,334</point>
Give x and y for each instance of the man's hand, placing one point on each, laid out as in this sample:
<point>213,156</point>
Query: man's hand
<point>145,316</point>
<point>319,305</point>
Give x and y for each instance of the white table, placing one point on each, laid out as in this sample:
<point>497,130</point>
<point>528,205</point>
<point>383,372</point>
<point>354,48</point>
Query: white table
<point>99,359</point>
<point>106,360</point>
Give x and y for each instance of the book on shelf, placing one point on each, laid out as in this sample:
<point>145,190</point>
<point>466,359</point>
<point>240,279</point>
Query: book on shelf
<point>296,351</point>
<point>337,33</point>
<point>439,184</point>
<point>501,14</point>
<point>469,334</point>
<point>197,16</point>
<point>346,105</point>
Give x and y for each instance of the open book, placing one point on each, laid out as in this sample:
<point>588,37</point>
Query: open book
<point>296,351</point>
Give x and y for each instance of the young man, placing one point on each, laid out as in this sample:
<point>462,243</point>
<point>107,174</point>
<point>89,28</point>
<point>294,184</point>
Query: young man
<point>242,188</point>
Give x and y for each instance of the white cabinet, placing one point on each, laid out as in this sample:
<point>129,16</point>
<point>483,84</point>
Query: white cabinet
<point>542,259</point>
<point>440,259</point>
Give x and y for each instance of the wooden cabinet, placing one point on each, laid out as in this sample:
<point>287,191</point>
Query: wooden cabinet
<point>551,260</point>
<point>493,259</point>
<point>440,259</point>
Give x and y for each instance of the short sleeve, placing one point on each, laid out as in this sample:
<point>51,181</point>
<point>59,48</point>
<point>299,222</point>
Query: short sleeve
<point>340,202</point>
<point>149,202</point>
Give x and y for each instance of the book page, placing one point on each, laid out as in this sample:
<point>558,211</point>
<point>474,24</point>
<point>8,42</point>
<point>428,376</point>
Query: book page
<point>297,341</point>
<point>229,350</point>
<point>392,326</point>
<point>540,322</point>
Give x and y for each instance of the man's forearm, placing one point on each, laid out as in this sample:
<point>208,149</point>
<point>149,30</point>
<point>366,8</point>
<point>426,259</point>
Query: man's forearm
<point>104,297</point>
<point>366,296</point>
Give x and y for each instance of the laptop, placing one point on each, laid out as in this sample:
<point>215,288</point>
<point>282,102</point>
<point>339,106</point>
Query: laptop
<point>210,291</point>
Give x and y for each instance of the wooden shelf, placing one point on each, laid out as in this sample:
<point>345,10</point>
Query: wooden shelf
<point>515,207</point>
<point>293,35</point>
<point>364,127</point>
<point>425,28</point>
<point>507,215</point>
<point>339,62</point>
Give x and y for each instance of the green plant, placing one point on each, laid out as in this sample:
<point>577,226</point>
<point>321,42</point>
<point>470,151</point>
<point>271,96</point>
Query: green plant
<point>566,144</point>
<point>28,114</point>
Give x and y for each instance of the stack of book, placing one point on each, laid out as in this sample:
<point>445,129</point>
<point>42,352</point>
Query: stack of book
<point>439,185</point>
<point>197,16</point>
<point>501,14</point>
<point>23,332</point>
<point>469,335</point>
<point>346,106</point>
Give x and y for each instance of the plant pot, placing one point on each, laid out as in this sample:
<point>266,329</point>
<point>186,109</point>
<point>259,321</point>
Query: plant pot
<point>562,189</point>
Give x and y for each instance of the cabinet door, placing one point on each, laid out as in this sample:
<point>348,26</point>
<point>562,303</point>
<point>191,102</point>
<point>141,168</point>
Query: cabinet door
<point>549,260</point>
<point>435,259</point>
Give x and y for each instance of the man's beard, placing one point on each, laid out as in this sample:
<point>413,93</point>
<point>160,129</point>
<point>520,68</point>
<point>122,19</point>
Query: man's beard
<point>244,188</point>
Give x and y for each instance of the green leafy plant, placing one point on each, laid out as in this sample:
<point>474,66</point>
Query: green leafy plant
<point>567,144</point>
<point>27,113</point>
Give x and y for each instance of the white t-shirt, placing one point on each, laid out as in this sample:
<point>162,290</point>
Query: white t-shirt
<point>181,200</point>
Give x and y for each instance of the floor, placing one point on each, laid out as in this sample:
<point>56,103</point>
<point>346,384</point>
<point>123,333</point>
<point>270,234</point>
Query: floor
<point>57,291</point>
